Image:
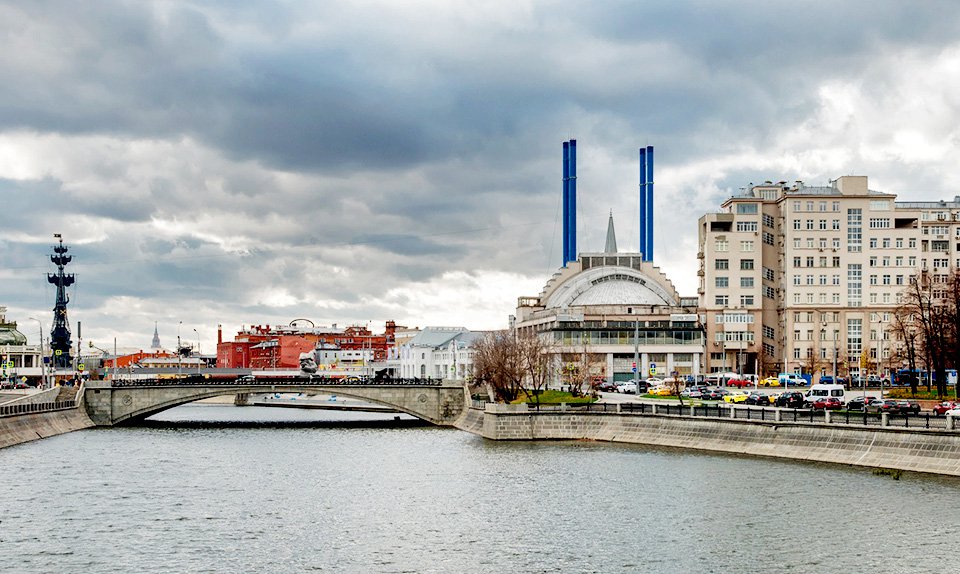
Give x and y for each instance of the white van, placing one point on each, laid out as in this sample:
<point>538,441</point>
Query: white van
<point>819,391</point>
<point>791,380</point>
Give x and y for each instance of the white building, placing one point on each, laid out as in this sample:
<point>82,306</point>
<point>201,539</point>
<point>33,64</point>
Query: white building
<point>440,352</point>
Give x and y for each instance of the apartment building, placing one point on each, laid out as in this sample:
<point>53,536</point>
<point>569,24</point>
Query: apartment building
<point>795,277</point>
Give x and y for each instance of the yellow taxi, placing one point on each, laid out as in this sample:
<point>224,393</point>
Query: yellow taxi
<point>770,382</point>
<point>736,397</point>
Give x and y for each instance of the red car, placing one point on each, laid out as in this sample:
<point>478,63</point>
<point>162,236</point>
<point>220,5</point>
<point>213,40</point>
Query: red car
<point>943,407</point>
<point>827,403</point>
<point>739,383</point>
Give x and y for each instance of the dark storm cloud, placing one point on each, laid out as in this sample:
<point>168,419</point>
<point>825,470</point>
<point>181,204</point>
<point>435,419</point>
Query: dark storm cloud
<point>256,156</point>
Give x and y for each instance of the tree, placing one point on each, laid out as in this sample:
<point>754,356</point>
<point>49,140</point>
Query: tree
<point>495,365</point>
<point>579,369</point>
<point>926,306</point>
<point>508,365</point>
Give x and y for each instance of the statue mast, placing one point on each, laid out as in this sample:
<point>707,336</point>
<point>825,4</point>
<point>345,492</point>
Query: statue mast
<point>60,343</point>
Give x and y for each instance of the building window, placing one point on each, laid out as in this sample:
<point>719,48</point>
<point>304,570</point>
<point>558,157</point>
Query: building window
<point>854,230</point>
<point>823,225</point>
<point>854,285</point>
<point>721,282</point>
<point>810,261</point>
<point>823,279</point>
<point>722,300</point>
<point>747,208</point>
<point>746,246</point>
<point>747,225</point>
<point>768,274</point>
<point>796,225</point>
<point>768,238</point>
<point>796,279</point>
<point>796,262</point>
<point>809,279</point>
<point>809,224</point>
<point>768,220</point>
<point>722,264</point>
<point>823,206</point>
<point>721,245</point>
<point>873,243</point>
<point>746,282</point>
<point>746,264</point>
<point>873,279</point>
<point>746,300</point>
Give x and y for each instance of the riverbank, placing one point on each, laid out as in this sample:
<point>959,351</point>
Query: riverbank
<point>17,429</point>
<point>918,450</point>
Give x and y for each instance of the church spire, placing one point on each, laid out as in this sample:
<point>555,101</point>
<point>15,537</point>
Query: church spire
<point>156,337</point>
<point>611,246</point>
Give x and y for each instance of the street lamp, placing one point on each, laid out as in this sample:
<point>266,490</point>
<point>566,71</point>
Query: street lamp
<point>179,355</point>
<point>43,366</point>
<point>105,353</point>
<point>198,350</point>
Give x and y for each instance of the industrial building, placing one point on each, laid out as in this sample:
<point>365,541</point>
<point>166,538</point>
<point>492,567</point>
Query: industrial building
<point>614,308</point>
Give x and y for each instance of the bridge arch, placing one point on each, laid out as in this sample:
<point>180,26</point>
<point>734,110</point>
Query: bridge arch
<point>108,405</point>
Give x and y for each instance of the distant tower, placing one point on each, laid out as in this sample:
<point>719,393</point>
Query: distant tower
<point>156,337</point>
<point>60,342</point>
<point>611,245</point>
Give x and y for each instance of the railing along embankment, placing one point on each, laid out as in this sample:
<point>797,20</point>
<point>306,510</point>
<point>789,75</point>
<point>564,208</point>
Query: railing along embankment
<point>907,442</point>
<point>27,420</point>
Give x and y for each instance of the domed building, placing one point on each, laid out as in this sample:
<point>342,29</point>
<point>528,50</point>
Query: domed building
<point>17,358</point>
<point>611,307</point>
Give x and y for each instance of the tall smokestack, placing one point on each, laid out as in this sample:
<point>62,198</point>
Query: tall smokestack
<point>572,188</point>
<point>648,243</point>
<point>566,202</point>
<point>643,202</point>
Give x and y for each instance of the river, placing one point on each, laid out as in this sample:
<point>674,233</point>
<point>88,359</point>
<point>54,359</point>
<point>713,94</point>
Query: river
<point>210,488</point>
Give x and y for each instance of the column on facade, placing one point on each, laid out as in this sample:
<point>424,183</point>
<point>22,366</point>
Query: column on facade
<point>609,372</point>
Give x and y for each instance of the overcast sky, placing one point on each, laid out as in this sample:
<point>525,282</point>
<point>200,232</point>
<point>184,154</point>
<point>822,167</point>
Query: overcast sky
<point>243,162</point>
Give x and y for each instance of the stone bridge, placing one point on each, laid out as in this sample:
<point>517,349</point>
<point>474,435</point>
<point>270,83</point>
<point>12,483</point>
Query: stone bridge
<point>109,403</point>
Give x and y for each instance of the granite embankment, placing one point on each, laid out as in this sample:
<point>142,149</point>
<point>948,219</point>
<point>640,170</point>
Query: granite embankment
<point>920,450</point>
<point>21,427</point>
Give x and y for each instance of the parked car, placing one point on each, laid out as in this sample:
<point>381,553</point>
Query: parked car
<point>758,399</point>
<point>953,412</point>
<point>942,408</point>
<point>607,387</point>
<point>627,388</point>
<point>770,382</point>
<point>883,406</point>
<point>857,403</point>
<point>908,407</point>
<point>716,394</point>
<point>827,403</point>
<point>736,397</point>
<point>740,382</point>
<point>790,400</point>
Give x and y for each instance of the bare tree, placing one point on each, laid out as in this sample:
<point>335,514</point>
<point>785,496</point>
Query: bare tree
<point>926,306</point>
<point>536,365</point>
<point>579,370</point>
<point>496,366</point>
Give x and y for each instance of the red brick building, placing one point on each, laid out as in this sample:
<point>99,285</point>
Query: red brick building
<point>279,346</point>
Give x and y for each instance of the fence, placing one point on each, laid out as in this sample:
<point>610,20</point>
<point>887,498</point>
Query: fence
<point>771,414</point>
<point>22,409</point>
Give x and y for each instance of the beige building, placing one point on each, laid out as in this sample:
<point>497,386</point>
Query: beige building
<point>795,275</point>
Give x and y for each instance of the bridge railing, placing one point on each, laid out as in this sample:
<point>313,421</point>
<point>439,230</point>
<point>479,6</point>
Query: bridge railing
<point>290,380</point>
<point>27,408</point>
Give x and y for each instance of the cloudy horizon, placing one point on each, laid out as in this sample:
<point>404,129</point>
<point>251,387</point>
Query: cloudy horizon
<point>237,163</point>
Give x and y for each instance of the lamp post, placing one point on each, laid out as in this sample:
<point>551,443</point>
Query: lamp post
<point>43,365</point>
<point>199,360</point>
<point>179,355</point>
<point>105,353</point>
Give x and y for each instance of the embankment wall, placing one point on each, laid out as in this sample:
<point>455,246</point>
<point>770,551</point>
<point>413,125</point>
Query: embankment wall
<point>18,429</point>
<point>920,450</point>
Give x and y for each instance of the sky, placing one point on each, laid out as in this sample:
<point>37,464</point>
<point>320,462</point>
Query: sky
<point>248,162</point>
